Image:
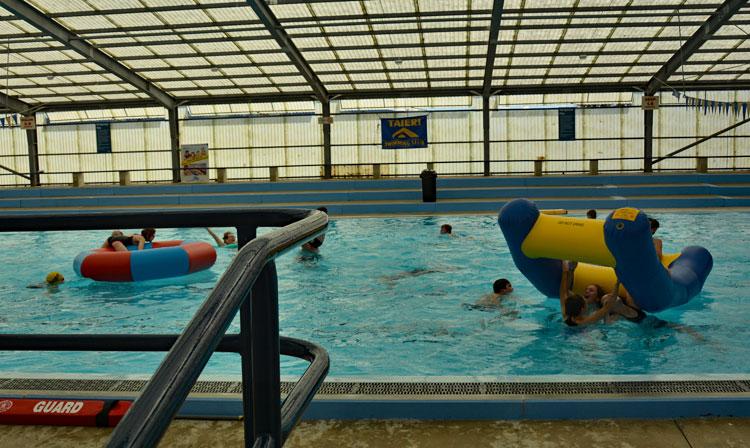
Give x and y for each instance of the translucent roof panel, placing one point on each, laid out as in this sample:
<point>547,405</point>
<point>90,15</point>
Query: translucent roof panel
<point>204,51</point>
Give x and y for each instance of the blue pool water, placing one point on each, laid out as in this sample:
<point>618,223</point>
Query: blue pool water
<point>362,301</point>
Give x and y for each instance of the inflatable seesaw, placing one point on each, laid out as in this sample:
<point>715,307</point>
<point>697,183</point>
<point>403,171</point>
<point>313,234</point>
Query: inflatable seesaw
<point>619,247</point>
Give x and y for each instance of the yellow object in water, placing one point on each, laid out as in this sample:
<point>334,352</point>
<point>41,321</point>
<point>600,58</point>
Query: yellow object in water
<point>554,211</point>
<point>54,278</point>
<point>565,238</point>
<point>581,240</point>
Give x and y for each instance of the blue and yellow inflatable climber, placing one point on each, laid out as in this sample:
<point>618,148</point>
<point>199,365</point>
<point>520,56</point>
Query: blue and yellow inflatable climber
<point>620,247</point>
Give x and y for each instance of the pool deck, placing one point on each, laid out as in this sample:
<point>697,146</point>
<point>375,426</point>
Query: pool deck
<point>677,433</point>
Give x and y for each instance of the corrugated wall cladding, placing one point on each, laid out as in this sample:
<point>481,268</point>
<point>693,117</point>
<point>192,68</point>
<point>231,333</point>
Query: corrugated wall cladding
<point>14,155</point>
<point>139,147</point>
<point>452,136</point>
<point>248,145</point>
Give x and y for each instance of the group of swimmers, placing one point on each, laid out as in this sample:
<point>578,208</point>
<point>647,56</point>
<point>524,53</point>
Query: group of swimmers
<point>590,307</point>
<point>119,242</point>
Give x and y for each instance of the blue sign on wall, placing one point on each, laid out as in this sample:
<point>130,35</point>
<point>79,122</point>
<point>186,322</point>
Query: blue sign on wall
<point>103,138</point>
<point>403,133</point>
<point>566,123</point>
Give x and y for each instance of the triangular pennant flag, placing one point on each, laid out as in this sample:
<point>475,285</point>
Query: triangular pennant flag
<point>2,122</point>
<point>705,106</point>
<point>736,108</point>
<point>744,110</point>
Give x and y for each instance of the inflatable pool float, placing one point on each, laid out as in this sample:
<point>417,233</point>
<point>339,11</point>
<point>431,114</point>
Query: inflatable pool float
<point>161,259</point>
<point>619,247</point>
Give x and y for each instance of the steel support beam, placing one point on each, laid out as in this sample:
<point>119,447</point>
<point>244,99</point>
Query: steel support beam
<point>532,53</point>
<point>600,10</point>
<point>486,133</point>
<point>71,40</point>
<point>648,140</point>
<point>174,142</point>
<point>33,148</point>
<point>264,13</point>
<point>387,93</point>
<point>327,169</point>
<point>14,104</point>
<point>717,19</point>
<point>489,66</point>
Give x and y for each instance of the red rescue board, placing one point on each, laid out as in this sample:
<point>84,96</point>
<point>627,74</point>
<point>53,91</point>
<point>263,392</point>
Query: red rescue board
<point>22,411</point>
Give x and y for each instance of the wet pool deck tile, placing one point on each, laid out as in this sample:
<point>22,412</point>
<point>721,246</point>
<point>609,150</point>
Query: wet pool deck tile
<point>687,433</point>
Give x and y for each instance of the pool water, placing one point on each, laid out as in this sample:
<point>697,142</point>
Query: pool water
<point>390,296</point>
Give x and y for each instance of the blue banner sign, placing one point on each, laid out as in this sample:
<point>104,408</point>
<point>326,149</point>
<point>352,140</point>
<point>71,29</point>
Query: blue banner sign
<point>566,124</point>
<point>103,138</point>
<point>404,133</point>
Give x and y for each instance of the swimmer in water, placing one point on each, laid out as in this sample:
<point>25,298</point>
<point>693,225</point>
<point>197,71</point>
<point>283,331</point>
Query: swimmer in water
<point>51,281</point>
<point>500,288</point>
<point>227,239</point>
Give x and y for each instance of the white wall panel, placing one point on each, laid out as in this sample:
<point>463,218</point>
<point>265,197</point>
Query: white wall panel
<point>14,155</point>
<point>522,129</point>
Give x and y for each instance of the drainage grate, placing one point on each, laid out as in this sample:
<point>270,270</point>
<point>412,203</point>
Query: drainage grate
<point>408,388</point>
<point>130,386</point>
<point>214,387</point>
<point>59,384</point>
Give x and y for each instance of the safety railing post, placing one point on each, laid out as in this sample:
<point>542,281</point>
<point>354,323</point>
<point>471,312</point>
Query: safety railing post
<point>701,164</point>
<point>265,357</point>
<point>245,235</point>
<point>538,166</point>
<point>593,167</point>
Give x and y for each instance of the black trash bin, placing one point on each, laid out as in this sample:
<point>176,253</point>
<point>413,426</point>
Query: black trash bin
<point>429,185</point>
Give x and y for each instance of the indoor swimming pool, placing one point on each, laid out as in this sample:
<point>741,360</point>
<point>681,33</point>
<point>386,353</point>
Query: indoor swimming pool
<point>390,296</point>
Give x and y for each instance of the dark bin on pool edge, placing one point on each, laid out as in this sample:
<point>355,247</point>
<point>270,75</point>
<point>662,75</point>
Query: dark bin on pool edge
<point>429,185</point>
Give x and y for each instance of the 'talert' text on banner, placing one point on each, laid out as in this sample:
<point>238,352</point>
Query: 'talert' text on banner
<point>404,133</point>
<point>194,163</point>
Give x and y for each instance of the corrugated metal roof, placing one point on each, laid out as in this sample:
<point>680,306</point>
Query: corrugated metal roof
<point>213,48</point>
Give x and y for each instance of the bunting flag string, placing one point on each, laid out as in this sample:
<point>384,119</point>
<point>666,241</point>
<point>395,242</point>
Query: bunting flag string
<point>9,120</point>
<point>713,106</point>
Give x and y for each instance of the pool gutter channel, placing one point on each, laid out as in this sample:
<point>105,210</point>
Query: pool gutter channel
<point>438,400</point>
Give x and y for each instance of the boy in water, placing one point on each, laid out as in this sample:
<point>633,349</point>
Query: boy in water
<point>500,288</point>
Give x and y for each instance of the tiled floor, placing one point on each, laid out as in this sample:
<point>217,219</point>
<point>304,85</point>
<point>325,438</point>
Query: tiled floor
<point>688,433</point>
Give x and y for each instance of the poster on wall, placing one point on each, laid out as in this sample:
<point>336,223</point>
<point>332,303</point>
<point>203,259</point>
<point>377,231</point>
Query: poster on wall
<point>194,163</point>
<point>404,133</point>
<point>567,123</point>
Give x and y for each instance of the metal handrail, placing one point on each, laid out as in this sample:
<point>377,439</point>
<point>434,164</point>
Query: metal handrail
<point>14,172</point>
<point>292,408</point>
<point>369,164</point>
<point>251,274</point>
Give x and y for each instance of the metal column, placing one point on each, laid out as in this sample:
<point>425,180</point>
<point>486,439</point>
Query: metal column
<point>648,140</point>
<point>327,174</point>
<point>33,145</point>
<point>486,132</point>
<point>174,142</point>
<point>265,357</point>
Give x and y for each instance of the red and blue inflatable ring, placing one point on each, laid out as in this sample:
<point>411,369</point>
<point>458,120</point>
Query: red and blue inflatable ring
<point>161,259</point>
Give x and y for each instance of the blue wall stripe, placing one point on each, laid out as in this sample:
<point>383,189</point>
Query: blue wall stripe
<point>379,185</point>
